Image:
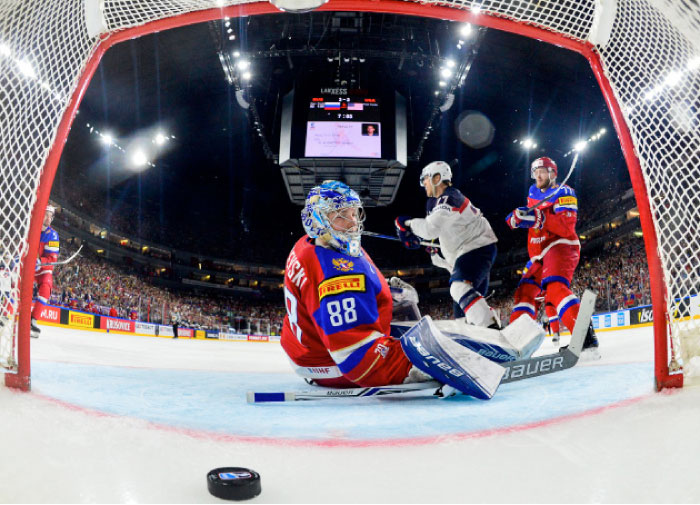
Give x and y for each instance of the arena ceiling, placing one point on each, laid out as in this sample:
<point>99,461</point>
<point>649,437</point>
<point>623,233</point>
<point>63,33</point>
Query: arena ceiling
<point>217,179</point>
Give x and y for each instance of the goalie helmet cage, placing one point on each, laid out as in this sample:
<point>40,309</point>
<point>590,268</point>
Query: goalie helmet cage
<point>645,55</point>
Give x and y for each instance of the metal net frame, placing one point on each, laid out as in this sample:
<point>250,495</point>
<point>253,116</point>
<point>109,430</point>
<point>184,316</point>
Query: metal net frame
<point>645,55</point>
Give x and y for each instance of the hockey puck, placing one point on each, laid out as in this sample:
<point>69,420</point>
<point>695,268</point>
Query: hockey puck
<point>234,483</point>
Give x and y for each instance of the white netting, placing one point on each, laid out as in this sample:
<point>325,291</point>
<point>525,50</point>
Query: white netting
<point>651,59</point>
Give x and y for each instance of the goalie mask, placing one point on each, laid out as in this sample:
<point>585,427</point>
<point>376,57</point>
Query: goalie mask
<point>436,167</point>
<point>325,207</point>
<point>544,162</point>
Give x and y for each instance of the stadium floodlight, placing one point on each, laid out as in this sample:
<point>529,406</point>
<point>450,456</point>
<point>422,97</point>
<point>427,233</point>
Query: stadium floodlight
<point>694,63</point>
<point>476,9</point>
<point>450,63</point>
<point>528,143</point>
<point>232,37</point>
<point>107,139</point>
<point>673,78</point>
<point>26,68</point>
<point>446,73</point>
<point>442,84</point>
<point>138,159</point>
<point>236,54</point>
<point>243,64</point>
<point>160,138</point>
<point>227,24</point>
<point>580,145</point>
<point>465,30</point>
<point>246,76</point>
<point>602,131</point>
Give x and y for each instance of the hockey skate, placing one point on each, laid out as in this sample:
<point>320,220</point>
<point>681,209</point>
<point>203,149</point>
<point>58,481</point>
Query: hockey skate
<point>555,339</point>
<point>590,345</point>
<point>35,330</point>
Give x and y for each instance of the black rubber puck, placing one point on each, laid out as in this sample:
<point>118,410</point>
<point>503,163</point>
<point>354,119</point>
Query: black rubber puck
<point>234,483</point>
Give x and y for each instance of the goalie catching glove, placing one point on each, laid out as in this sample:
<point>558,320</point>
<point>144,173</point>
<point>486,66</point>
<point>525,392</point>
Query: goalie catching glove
<point>409,239</point>
<point>402,291</point>
<point>523,217</point>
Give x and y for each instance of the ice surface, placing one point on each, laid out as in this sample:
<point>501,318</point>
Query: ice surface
<point>118,418</point>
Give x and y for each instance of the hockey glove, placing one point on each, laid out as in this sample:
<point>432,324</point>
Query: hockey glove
<point>522,217</point>
<point>409,239</point>
<point>432,250</point>
<point>402,291</point>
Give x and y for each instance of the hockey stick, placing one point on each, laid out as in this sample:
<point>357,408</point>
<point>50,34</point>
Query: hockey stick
<point>566,357</point>
<point>327,393</point>
<point>397,239</point>
<point>63,262</point>
<point>566,179</point>
<point>515,370</point>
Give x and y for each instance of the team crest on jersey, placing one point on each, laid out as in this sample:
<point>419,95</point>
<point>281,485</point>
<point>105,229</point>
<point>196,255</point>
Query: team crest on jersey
<point>343,264</point>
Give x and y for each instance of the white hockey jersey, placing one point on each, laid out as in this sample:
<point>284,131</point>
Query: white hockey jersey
<point>459,226</point>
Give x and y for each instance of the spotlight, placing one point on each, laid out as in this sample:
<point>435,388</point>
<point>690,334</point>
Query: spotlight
<point>160,139</point>
<point>246,76</point>
<point>26,68</point>
<point>466,30</point>
<point>138,159</point>
<point>446,73</point>
<point>107,139</point>
<point>236,54</point>
<point>243,64</point>
<point>580,145</point>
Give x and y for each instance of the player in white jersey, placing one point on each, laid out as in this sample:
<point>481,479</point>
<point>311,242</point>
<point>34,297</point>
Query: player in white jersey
<point>467,242</point>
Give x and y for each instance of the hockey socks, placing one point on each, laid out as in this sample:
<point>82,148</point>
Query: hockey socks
<point>476,310</point>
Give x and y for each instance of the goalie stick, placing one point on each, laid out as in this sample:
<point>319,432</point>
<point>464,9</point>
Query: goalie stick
<point>397,239</point>
<point>515,370</point>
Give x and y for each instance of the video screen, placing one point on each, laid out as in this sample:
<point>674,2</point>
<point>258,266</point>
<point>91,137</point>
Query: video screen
<point>343,127</point>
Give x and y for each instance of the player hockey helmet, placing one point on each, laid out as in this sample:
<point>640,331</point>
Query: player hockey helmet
<point>51,209</point>
<point>333,196</point>
<point>436,167</point>
<point>544,162</point>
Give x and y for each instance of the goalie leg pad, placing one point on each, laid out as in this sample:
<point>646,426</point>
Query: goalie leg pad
<point>449,362</point>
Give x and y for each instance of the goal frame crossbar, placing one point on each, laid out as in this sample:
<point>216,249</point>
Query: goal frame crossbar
<point>21,378</point>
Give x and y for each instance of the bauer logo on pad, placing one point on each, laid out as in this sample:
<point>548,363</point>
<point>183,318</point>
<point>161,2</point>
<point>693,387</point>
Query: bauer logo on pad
<point>342,284</point>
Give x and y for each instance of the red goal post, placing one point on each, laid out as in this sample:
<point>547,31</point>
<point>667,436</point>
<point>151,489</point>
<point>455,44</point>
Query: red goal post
<point>644,54</point>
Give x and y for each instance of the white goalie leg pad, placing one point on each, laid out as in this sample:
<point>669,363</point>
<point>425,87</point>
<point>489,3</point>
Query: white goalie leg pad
<point>514,342</point>
<point>524,335</point>
<point>449,362</point>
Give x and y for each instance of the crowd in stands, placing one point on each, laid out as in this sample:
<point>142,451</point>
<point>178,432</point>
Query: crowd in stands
<point>96,285</point>
<point>618,273</point>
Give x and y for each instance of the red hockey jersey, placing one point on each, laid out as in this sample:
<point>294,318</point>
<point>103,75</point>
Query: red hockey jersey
<point>560,220</point>
<point>338,318</point>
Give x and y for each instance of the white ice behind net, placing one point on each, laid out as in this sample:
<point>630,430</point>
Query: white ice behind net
<point>651,60</point>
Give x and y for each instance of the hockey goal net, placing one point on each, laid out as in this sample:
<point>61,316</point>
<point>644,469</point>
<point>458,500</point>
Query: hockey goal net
<point>644,53</point>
